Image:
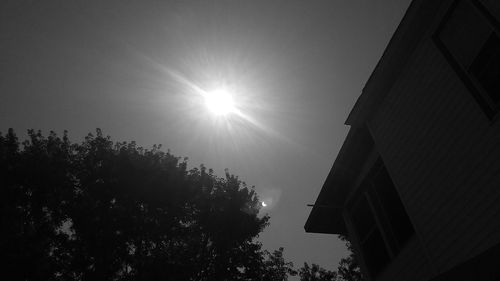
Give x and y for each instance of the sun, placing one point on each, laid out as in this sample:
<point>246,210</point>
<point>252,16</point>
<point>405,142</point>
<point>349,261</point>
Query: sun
<point>219,102</point>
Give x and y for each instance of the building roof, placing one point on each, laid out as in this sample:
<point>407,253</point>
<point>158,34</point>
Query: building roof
<point>326,215</point>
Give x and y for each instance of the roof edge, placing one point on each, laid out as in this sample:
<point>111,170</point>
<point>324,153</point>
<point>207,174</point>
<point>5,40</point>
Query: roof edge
<point>403,42</point>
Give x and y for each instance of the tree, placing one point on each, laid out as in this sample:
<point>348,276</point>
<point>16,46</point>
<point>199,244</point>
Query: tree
<point>275,267</point>
<point>348,269</point>
<point>34,193</point>
<point>316,273</point>
<point>104,210</point>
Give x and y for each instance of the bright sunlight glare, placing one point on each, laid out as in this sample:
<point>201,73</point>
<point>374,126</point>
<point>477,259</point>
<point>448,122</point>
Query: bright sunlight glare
<point>264,204</point>
<point>219,102</point>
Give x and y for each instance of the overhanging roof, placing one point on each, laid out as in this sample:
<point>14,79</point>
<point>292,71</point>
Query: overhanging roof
<point>326,214</point>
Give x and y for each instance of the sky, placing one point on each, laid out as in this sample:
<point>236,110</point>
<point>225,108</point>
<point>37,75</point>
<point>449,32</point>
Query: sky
<point>136,69</point>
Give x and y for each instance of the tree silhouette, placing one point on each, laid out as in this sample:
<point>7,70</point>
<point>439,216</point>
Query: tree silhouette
<point>104,210</point>
<point>315,273</point>
<point>348,269</point>
<point>275,267</point>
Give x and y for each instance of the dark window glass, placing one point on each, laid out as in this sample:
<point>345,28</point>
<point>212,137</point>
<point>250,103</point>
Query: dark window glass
<point>486,67</point>
<point>375,252</point>
<point>362,218</point>
<point>380,219</point>
<point>472,44</point>
<point>372,245</point>
<point>394,211</point>
<point>464,32</point>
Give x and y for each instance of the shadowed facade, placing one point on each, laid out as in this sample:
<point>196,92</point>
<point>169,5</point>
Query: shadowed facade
<point>415,184</point>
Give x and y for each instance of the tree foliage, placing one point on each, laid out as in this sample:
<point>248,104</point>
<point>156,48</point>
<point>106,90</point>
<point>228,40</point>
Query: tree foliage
<point>314,272</point>
<point>348,269</point>
<point>275,267</point>
<point>104,210</point>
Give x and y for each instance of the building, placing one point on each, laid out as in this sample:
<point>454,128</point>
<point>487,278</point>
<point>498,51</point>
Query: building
<point>416,184</point>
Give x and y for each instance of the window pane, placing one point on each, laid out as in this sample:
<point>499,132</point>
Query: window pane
<point>375,252</point>
<point>393,207</point>
<point>362,218</point>
<point>464,33</point>
<point>486,67</point>
<point>373,246</point>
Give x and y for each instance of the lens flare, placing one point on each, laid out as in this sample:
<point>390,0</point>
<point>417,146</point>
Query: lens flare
<point>219,102</point>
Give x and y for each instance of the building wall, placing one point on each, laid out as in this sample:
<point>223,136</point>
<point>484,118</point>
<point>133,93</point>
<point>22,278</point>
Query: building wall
<point>412,263</point>
<point>444,156</point>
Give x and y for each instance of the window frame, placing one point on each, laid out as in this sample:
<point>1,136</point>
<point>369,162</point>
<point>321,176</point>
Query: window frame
<point>365,190</point>
<point>482,97</point>
<point>362,241</point>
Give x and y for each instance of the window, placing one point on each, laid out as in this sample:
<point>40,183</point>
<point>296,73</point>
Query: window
<point>380,220</point>
<point>370,238</point>
<point>486,67</point>
<point>469,37</point>
<point>392,209</point>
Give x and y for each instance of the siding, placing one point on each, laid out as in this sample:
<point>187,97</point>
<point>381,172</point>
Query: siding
<point>444,156</point>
